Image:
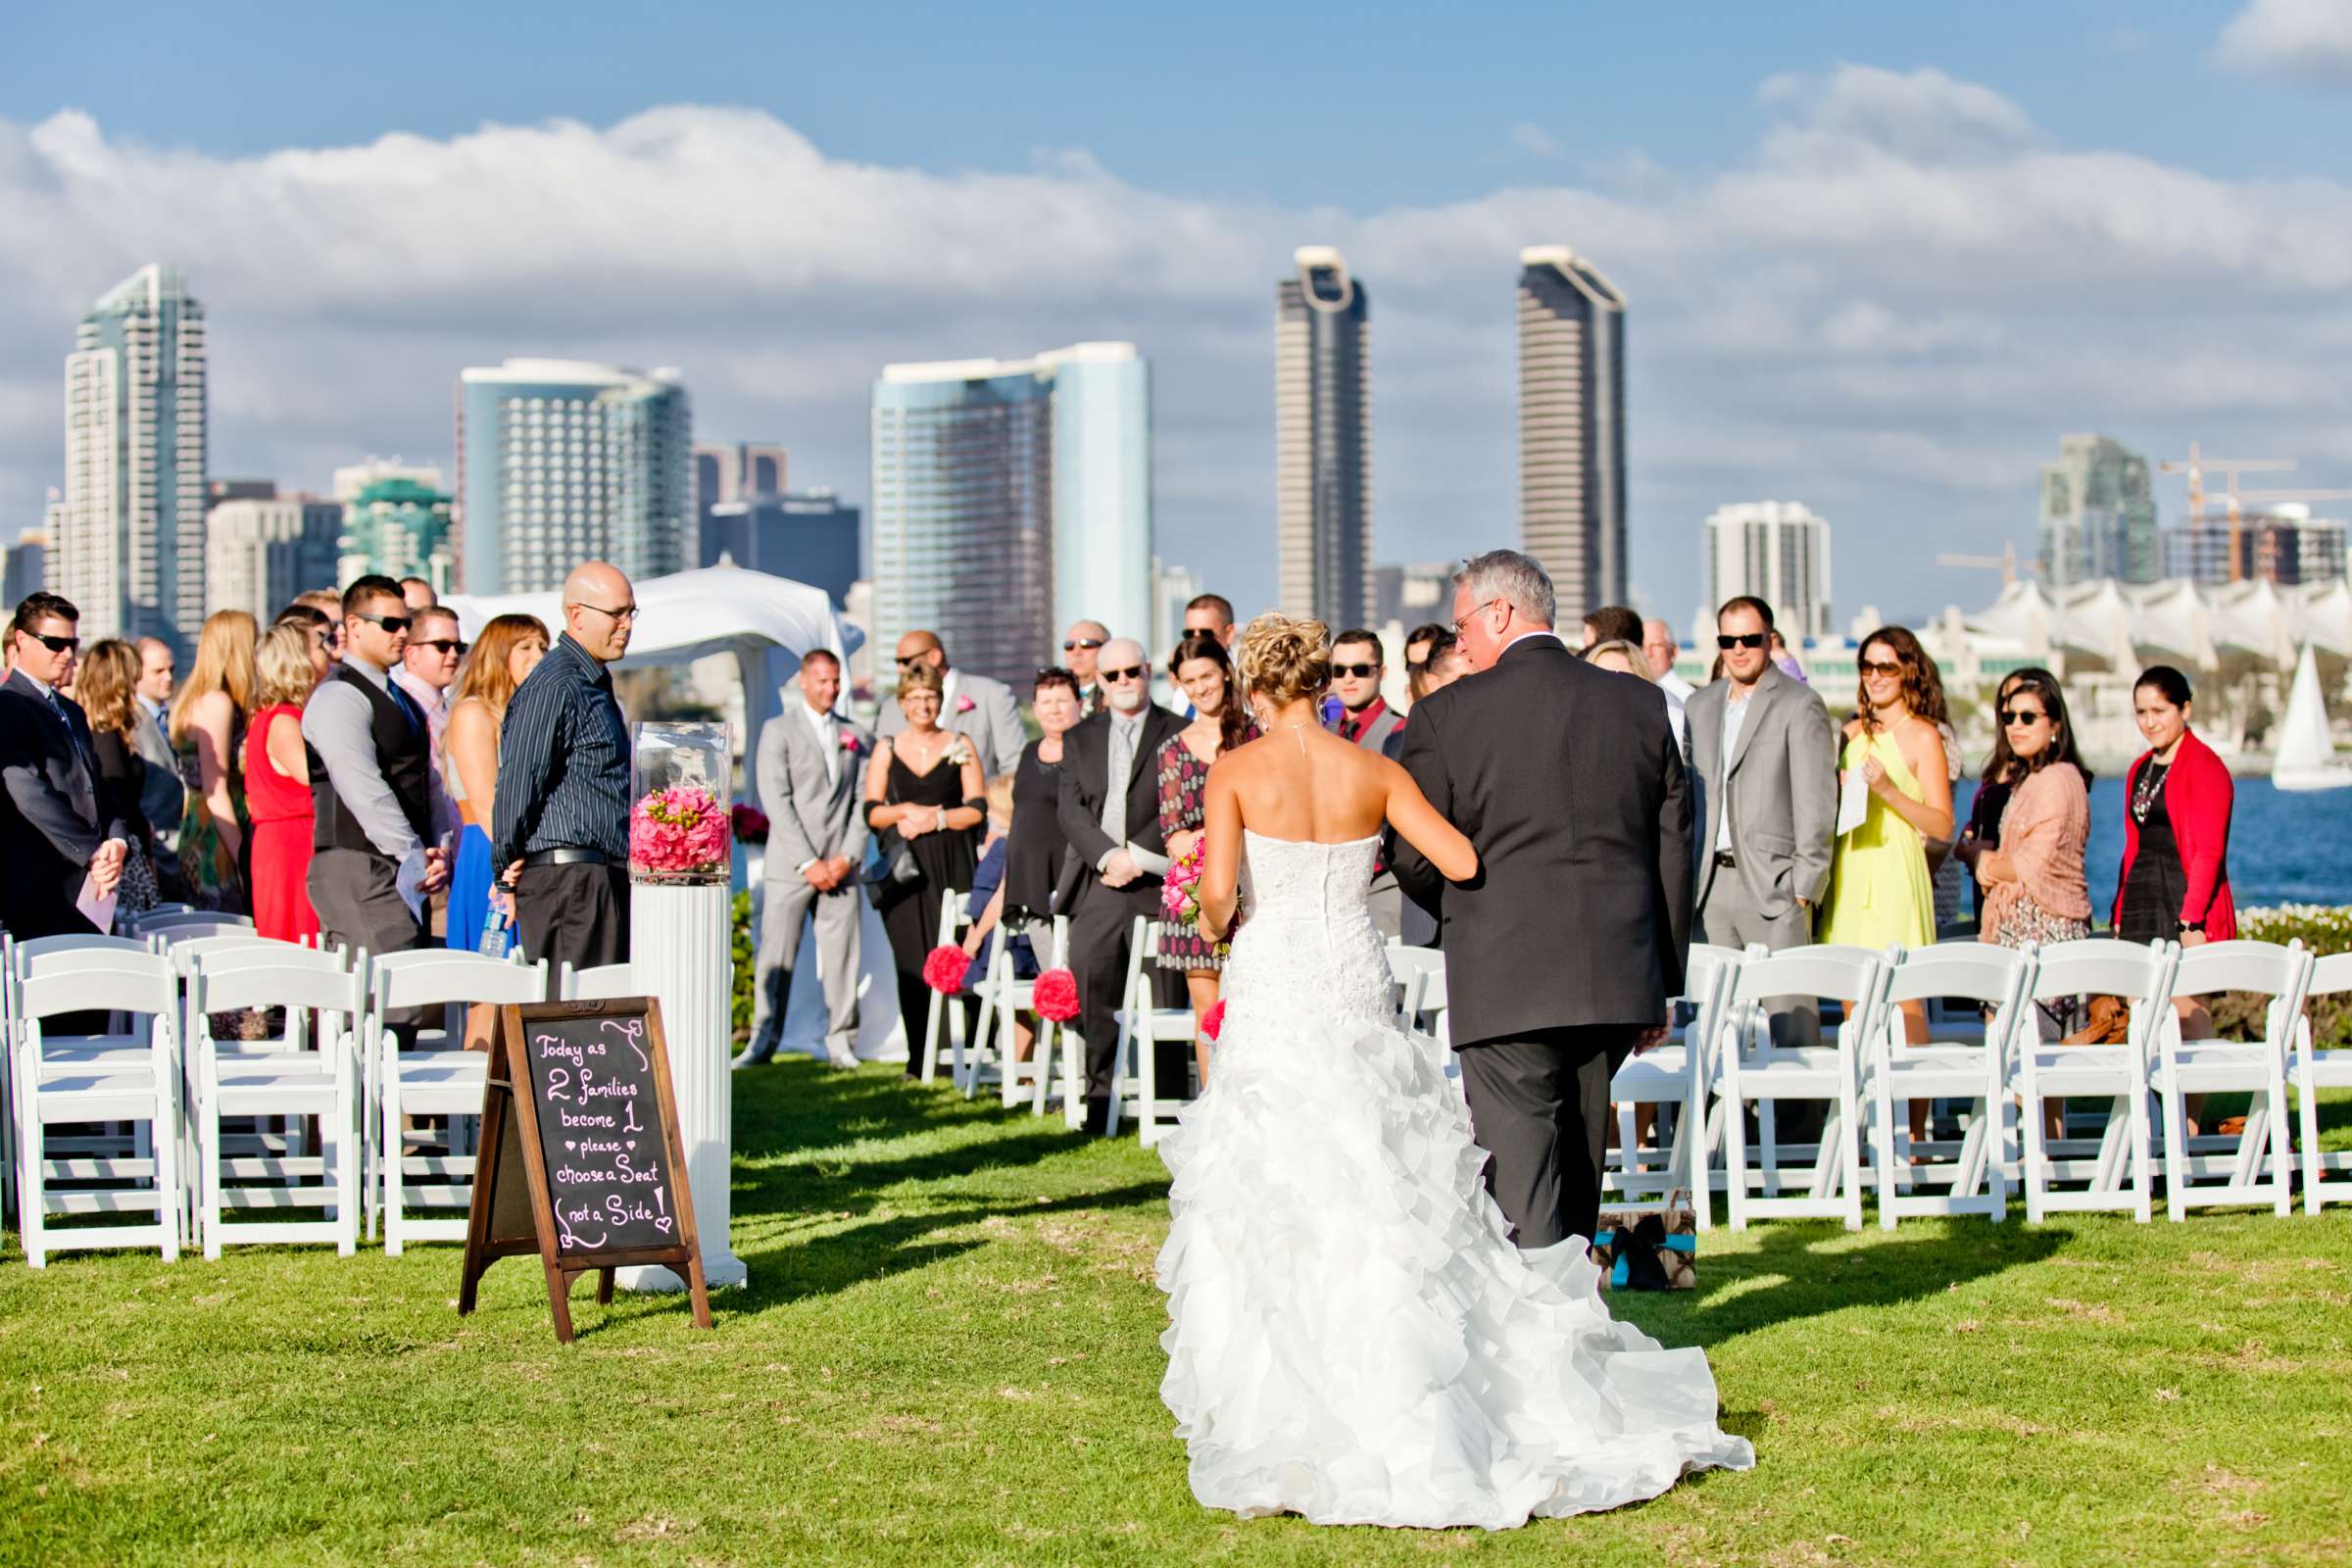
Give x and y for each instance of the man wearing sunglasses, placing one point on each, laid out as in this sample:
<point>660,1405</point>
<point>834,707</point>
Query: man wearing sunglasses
<point>55,831</point>
<point>1082,655</point>
<point>427,671</point>
<point>1358,663</point>
<point>1766,758</point>
<point>373,860</point>
<point>969,705</point>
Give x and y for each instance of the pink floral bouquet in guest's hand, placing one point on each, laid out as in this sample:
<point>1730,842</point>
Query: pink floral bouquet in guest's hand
<point>679,832</point>
<point>1180,890</point>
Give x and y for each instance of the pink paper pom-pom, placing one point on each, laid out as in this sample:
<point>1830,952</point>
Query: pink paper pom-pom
<point>944,967</point>
<point>1056,996</point>
<point>1212,1022</point>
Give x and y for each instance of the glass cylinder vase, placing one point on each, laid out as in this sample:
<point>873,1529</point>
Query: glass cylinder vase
<point>680,782</point>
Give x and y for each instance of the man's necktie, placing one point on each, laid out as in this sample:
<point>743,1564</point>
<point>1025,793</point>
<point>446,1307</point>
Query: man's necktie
<point>407,706</point>
<point>89,763</point>
<point>1114,793</point>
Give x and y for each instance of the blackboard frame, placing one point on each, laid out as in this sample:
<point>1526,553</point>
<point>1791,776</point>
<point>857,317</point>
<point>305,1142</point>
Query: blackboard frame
<point>513,1209</point>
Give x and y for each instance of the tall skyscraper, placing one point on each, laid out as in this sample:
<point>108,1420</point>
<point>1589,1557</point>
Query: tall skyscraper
<point>1777,551</point>
<point>736,472</point>
<point>1572,427</point>
<point>261,551</point>
<point>811,538</point>
<point>351,480</point>
<point>129,550</point>
<point>2098,514</point>
<point>1009,498</point>
<point>561,461</point>
<point>1323,440</point>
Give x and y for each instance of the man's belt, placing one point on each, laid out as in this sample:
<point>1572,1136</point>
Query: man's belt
<point>568,856</point>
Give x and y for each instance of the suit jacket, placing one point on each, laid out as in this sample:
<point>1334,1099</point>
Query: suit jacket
<point>1086,785</point>
<point>811,816</point>
<point>1778,787</point>
<point>165,798</point>
<point>980,708</point>
<point>51,819</point>
<point>1567,780</point>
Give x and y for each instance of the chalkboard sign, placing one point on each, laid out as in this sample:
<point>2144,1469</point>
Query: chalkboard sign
<point>580,1160</point>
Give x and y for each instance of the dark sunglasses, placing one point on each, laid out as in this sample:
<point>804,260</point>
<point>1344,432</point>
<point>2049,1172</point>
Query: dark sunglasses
<point>442,645</point>
<point>1748,639</point>
<point>56,644</point>
<point>1879,666</point>
<point>1131,672</point>
<point>1357,672</point>
<point>912,660</point>
<point>388,623</point>
<point>2021,716</point>
<point>1076,643</point>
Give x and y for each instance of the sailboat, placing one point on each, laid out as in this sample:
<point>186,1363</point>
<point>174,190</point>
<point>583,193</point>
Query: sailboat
<point>2306,757</point>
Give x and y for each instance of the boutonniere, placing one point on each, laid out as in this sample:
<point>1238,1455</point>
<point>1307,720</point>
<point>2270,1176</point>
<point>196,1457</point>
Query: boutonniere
<point>964,705</point>
<point>849,740</point>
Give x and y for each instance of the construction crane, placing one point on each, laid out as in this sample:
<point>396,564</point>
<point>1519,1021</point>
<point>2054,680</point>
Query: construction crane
<point>2006,562</point>
<point>2194,465</point>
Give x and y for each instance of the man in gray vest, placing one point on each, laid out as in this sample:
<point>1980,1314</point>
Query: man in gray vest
<point>812,776</point>
<point>371,864</point>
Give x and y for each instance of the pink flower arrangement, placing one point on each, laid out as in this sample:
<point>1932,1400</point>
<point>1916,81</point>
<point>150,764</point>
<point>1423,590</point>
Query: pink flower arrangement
<point>1212,1022</point>
<point>1056,996</point>
<point>944,968</point>
<point>678,832</point>
<point>1180,890</point>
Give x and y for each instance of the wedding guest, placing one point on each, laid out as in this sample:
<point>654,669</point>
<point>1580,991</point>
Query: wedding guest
<point>277,786</point>
<point>1082,646</point>
<point>323,639</point>
<point>2002,770</point>
<point>1612,623</point>
<point>1786,661</point>
<point>54,834</point>
<point>2174,882</point>
<point>1211,615</point>
<point>1659,647</point>
<point>1628,658</point>
<point>1359,665</point>
<point>985,907</point>
<point>1765,757</point>
<point>922,794</point>
<point>559,820</point>
<point>207,731</point>
<point>1110,816</point>
<point>1034,853</point>
<point>1204,674</point>
<point>106,684</point>
<point>329,604</point>
<point>812,789</point>
<point>417,595</point>
<point>1417,644</point>
<point>2031,872</point>
<point>372,862</point>
<point>1442,662</point>
<point>1449,662</point>
<point>1881,887</point>
<point>428,668</point>
<point>163,798</point>
<point>501,658</point>
<point>969,705</point>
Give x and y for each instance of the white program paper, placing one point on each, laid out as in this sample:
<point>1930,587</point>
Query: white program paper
<point>1853,801</point>
<point>94,906</point>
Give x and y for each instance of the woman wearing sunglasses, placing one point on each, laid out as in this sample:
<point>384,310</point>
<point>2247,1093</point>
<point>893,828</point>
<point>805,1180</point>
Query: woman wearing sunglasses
<point>2033,883</point>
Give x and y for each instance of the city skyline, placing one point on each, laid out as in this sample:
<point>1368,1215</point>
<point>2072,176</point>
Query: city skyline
<point>1887,284</point>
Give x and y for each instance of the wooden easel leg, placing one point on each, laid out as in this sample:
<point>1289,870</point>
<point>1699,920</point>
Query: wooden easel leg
<point>480,1201</point>
<point>558,1299</point>
<point>603,1287</point>
<point>700,1291</point>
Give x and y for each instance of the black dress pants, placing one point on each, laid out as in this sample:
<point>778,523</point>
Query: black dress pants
<point>1539,1105</point>
<point>576,914</point>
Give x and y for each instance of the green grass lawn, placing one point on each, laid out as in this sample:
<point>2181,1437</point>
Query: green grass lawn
<point>949,1355</point>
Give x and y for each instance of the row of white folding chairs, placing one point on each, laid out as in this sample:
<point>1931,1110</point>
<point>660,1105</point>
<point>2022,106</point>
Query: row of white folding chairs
<point>182,1160</point>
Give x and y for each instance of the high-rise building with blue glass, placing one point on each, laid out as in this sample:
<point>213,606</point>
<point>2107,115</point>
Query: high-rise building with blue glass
<point>1011,498</point>
<point>1323,440</point>
<point>129,548</point>
<point>561,461</point>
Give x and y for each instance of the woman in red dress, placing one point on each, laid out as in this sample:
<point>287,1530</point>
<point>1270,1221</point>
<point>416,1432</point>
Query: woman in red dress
<point>278,787</point>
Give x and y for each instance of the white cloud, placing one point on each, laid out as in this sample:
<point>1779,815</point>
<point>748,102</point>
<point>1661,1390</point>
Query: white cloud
<point>1892,306</point>
<point>2303,40</point>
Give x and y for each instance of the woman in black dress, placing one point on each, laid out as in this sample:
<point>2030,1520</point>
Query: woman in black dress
<point>107,686</point>
<point>923,791</point>
<point>1033,858</point>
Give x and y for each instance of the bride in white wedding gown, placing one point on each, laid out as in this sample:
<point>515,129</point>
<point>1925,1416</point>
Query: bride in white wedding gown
<point>1352,1335</point>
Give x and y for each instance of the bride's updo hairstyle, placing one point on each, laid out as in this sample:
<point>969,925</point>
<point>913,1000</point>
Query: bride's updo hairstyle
<point>1282,660</point>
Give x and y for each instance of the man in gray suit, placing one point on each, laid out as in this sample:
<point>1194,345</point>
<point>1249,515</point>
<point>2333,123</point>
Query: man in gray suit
<point>970,704</point>
<point>812,778</point>
<point>165,797</point>
<point>1766,755</point>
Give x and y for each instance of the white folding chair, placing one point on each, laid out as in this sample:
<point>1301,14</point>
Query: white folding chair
<point>1002,998</point>
<point>1415,968</point>
<point>440,1079</point>
<point>2312,1069</point>
<point>1766,1072</point>
<point>313,1072</point>
<point>1674,1076</point>
<point>604,982</point>
<point>2118,1177</point>
<point>190,923</point>
<point>131,1079</point>
<point>1143,1028</point>
<point>1973,1067</point>
<point>952,921</point>
<point>2208,1066</point>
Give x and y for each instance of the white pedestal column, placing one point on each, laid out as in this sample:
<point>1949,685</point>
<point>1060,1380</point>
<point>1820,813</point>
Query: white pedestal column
<point>678,943</point>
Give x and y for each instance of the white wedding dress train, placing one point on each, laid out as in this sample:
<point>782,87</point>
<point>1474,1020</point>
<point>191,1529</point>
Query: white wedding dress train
<point>1352,1335</point>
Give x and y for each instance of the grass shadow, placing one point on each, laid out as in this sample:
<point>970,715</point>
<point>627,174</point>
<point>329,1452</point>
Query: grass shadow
<point>1791,1275</point>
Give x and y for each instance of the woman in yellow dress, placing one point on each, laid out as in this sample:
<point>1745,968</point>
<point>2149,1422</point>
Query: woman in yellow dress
<point>1881,891</point>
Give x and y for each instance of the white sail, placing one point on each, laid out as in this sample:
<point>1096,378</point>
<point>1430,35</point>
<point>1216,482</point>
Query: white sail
<point>2305,759</point>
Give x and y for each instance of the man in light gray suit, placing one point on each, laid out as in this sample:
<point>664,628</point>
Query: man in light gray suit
<point>812,776</point>
<point>970,704</point>
<point>1766,755</point>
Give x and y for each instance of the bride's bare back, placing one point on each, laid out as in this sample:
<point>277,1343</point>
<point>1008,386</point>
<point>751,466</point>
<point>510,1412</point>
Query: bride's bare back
<point>1303,783</point>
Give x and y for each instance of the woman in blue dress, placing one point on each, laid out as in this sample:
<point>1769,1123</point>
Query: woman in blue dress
<point>482,919</point>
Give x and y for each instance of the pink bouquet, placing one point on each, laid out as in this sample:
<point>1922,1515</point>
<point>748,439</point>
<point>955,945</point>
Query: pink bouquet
<point>678,833</point>
<point>1056,996</point>
<point>1180,890</point>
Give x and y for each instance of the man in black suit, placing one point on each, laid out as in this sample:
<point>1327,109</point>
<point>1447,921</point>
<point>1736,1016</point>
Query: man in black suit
<point>1109,814</point>
<point>1560,955</point>
<point>54,832</point>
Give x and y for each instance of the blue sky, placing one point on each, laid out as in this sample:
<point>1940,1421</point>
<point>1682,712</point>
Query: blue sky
<point>1858,275</point>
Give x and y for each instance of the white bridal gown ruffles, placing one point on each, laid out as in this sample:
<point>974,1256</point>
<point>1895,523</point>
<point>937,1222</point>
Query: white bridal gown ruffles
<point>1353,1335</point>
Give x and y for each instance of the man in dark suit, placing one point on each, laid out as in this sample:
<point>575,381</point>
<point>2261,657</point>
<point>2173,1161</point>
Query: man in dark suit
<point>1560,955</point>
<point>54,832</point>
<point>1109,814</point>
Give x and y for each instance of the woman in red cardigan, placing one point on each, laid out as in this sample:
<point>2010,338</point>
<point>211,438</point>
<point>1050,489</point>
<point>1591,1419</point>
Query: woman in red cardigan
<point>2174,881</point>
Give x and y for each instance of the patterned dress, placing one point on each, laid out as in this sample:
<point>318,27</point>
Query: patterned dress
<point>1182,796</point>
